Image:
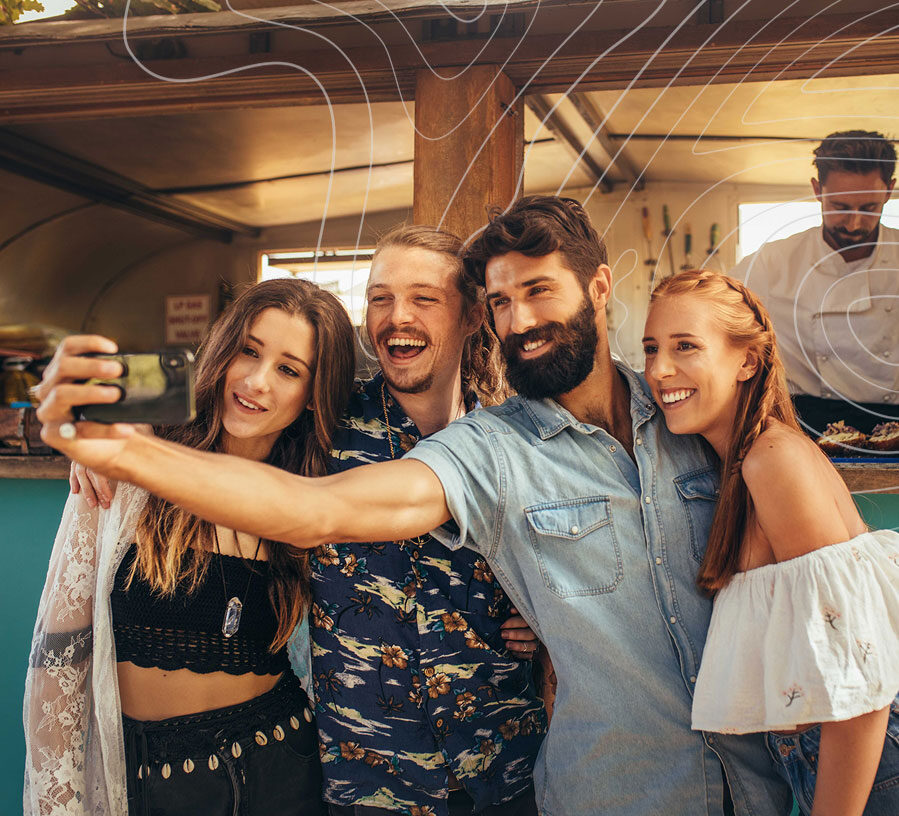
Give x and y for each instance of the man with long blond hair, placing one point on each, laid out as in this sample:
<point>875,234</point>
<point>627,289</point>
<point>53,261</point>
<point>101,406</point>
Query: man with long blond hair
<point>420,707</point>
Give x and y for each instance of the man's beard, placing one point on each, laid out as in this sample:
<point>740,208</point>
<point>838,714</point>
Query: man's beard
<point>844,239</point>
<point>564,366</point>
<point>411,383</point>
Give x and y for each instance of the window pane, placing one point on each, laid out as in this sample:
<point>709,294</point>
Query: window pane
<point>772,220</point>
<point>336,271</point>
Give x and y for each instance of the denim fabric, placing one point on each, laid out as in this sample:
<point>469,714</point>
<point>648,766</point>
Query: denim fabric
<point>797,758</point>
<point>599,552</point>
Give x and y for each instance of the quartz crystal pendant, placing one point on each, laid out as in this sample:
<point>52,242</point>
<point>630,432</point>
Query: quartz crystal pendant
<point>231,623</point>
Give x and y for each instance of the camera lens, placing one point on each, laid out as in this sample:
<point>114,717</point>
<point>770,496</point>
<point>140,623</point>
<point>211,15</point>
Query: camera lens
<point>175,362</point>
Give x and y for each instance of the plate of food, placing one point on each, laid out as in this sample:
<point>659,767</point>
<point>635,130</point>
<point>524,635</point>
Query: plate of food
<point>843,443</point>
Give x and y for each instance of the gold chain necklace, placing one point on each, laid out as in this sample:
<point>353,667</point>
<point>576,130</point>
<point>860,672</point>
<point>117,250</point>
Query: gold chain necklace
<point>418,540</point>
<point>460,412</point>
<point>387,421</point>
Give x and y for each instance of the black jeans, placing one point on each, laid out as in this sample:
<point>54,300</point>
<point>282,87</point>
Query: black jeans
<point>460,804</point>
<point>258,758</point>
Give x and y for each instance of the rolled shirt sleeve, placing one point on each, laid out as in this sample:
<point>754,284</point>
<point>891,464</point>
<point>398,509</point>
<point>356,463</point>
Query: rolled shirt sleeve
<point>464,458</point>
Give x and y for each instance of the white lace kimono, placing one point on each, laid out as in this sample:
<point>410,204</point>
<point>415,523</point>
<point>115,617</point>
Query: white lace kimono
<point>75,757</point>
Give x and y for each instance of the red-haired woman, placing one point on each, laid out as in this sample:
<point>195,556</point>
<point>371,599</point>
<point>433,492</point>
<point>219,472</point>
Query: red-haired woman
<point>804,638</point>
<point>159,679</point>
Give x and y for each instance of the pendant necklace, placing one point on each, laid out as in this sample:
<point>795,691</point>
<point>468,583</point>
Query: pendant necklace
<point>234,609</point>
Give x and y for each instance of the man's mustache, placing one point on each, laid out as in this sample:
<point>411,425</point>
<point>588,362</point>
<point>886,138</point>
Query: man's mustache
<point>515,342</point>
<point>858,234</point>
<point>391,330</point>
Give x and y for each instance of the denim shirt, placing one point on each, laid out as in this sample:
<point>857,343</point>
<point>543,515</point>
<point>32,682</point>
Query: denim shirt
<point>599,552</point>
<point>410,674</point>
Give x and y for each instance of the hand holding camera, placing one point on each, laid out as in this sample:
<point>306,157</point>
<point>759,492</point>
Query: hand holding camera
<point>89,381</point>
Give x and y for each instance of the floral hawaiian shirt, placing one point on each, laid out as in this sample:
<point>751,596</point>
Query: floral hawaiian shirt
<point>410,676</point>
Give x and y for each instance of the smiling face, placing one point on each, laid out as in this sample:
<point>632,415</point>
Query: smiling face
<point>851,205</point>
<point>693,369</point>
<point>546,322</point>
<point>268,384</point>
<point>415,319</point>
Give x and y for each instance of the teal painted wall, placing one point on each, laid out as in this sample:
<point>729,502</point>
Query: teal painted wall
<point>30,511</point>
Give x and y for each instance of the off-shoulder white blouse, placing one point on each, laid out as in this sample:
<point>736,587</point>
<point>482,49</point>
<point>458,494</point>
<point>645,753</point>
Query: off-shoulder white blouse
<point>812,639</point>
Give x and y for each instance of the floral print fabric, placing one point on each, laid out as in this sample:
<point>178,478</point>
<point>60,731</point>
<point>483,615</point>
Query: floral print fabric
<point>812,639</point>
<point>409,672</point>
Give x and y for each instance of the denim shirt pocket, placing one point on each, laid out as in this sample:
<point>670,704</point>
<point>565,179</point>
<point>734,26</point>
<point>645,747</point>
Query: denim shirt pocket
<point>698,491</point>
<point>575,544</point>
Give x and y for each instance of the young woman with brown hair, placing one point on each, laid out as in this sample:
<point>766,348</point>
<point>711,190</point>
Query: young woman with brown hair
<point>804,638</point>
<point>159,679</point>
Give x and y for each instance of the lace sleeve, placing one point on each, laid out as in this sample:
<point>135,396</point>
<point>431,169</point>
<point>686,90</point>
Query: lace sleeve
<point>56,711</point>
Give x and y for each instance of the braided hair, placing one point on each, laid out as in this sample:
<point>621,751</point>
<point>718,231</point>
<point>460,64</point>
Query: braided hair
<point>764,396</point>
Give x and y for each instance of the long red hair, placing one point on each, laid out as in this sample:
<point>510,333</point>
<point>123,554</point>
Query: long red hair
<point>745,321</point>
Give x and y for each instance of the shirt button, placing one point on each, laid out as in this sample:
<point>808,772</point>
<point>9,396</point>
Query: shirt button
<point>886,354</point>
<point>575,529</point>
<point>673,619</point>
<point>658,560</point>
<point>612,448</point>
<point>647,499</point>
<point>692,678</point>
<point>826,394</point>
<point>887,398</point>
<point>823,358</point>
<point>638,441</point>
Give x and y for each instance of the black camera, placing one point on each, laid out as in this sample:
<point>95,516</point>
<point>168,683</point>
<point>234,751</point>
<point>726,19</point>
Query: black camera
<point>156,388</point>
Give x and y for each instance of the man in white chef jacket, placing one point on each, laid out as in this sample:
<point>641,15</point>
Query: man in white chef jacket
<point>833,291</point>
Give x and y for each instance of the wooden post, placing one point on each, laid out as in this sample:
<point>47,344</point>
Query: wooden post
<point>460,174</point>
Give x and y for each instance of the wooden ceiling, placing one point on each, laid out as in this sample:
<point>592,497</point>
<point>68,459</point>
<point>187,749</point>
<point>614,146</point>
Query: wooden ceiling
<point>677,99</point>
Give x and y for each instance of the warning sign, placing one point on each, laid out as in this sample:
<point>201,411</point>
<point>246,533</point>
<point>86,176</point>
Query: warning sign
<point>186,319</point>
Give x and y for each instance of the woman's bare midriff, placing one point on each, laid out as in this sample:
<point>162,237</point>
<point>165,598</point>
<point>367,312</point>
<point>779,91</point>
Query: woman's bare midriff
<point>157,694</point>
<point>788,732</point>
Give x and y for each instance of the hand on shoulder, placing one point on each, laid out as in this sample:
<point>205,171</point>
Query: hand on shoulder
<point>795,493</point>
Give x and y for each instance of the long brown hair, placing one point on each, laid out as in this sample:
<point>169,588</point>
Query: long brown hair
<point>173,545</point>
<point>482,369</point>
<point>745,321</point>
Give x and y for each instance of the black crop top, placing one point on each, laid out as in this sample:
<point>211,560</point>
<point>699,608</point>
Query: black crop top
<point>184,631</point>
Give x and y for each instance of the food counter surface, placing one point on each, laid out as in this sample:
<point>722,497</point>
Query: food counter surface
<point>880,475</point>
<point>34,467</point>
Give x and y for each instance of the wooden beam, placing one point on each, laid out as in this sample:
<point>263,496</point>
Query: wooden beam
<point>45,81</point>
<point>30,159</point>
<point>469,137</point>
<point>556,124</point>
<point>595,118</point>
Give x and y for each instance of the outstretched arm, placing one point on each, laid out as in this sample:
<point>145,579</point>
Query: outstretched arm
<point>382,502</point>
<point>379,502</point>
